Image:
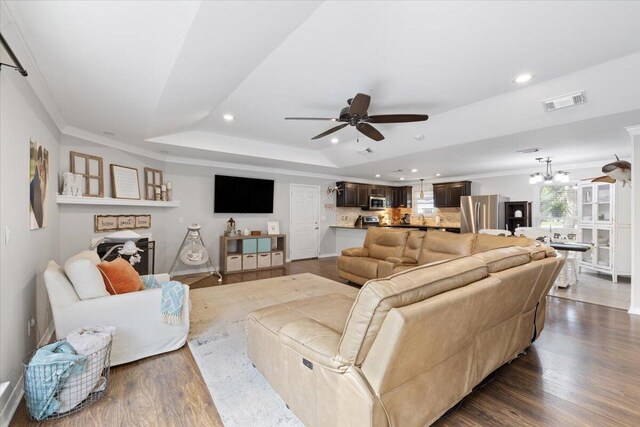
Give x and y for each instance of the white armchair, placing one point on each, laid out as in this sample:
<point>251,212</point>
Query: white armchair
<point>136,315</point>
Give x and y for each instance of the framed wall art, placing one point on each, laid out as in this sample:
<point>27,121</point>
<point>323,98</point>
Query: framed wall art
<point>104,223</point>
<point>273,227</point>
<point>124,182</point>
<point>152,182</point>
<point>91,168</point>
<point>38,180</point>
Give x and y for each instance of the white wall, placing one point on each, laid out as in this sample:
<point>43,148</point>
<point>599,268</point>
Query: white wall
<point>23,259</point>
<point>517,187</point>
<point>193,186</point>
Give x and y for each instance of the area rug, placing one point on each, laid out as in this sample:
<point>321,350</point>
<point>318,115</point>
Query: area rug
<point>219,345</point>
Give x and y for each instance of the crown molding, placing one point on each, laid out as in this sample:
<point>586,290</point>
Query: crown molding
<point>132,149</point>
<point>633,130</point>
<point>35,79</point>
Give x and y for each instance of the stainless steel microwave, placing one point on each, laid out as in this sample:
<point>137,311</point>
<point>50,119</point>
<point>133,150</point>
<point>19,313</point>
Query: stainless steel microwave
<point>376,203</point>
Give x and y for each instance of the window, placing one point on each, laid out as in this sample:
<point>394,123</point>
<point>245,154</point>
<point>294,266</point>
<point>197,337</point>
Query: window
<point>556,206</point>
<point>424,205</point>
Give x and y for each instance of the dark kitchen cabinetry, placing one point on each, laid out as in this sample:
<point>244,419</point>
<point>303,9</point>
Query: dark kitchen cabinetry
<point>447,194</point>
<point>353,195</point>
<point>362,199</point>
<point>349,195</point>
<point>356,195</point>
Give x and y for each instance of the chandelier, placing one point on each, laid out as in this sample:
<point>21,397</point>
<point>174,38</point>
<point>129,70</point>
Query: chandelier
<point>549,176</point>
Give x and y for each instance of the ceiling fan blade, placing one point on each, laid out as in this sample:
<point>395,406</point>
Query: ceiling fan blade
<point>368,130</point>
<point>330,131</point>
<point>397,118</point>
<point>359,105</point>
<point>311,118</point>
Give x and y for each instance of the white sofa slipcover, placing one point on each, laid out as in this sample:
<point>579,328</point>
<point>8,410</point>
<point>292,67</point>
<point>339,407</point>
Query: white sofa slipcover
<point>136,315</point>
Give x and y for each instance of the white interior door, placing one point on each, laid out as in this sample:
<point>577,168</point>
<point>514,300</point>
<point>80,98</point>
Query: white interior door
<point>304,227</point>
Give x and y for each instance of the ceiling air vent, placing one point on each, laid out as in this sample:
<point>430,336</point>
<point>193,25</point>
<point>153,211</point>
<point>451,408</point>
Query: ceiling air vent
<point>564,101</point>
<point>365,152</point>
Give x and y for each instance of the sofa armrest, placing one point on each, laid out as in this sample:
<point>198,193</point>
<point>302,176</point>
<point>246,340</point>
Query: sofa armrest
<point>356,252</point>
<point>313,341</point>
<point>401,260</point>
<point>162,277</point>
<point>136,316</point>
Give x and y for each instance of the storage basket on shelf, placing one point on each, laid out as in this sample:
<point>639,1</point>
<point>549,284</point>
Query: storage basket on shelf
<point>67,385</point>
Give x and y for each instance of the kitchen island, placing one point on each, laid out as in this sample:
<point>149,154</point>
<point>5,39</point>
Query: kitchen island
<point>451,229</point>
<point>349,236</point>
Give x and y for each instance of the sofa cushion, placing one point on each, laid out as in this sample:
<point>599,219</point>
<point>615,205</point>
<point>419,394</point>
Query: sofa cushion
<point>504,258</point>
<point>120,277</point>
<point>359,266</point>
<point>330,310</point>
<point>485,242</point>
<point>313,341</point>
<point>84,275</point>
<point>537,252</point>
<point>442,245</point>
<point>386,243</point>
<point>414,244</point>
<point>355,252</point>
<point>377,297</point>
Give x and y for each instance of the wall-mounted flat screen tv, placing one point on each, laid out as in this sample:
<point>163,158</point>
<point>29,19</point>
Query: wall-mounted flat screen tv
<point>234,194</point>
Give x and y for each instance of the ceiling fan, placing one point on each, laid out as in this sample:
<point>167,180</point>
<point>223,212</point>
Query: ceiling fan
<point>356,115</point>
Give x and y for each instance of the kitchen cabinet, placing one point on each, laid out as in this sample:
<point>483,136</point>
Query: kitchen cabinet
<point>447,194</point>
<point>362,196</point>
<point>353,195</point>
<point>378,191</point>
<point>356,195</point>
<point>349,195</point>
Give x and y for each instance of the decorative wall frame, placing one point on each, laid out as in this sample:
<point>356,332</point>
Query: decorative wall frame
<point>120,222</point>
<point>152,179</point>
<point>273,227</point>
<point>124,182</point>
<point>92,169</point>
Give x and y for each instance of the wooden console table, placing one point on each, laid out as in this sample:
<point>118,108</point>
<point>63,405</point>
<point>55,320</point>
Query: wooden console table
<point>251,253</point>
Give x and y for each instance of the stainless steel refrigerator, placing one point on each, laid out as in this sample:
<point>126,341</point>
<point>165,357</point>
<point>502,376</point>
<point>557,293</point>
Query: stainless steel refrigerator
<point>482,212</point>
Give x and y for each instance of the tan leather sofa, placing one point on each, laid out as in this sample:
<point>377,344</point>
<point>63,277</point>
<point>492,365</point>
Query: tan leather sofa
<point>410,346</point>
<point>388,251</point>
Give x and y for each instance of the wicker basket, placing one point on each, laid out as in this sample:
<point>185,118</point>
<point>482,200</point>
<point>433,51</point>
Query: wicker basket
<point>78,391</point>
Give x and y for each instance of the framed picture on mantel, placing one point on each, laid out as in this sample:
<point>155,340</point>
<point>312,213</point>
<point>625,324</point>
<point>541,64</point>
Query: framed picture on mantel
<point>124,182</point>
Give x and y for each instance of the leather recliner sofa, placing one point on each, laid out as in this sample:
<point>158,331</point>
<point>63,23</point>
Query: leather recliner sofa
<point>409,346</point>
<point>388,251</point>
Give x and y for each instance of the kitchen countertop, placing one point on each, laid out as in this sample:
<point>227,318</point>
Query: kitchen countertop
<point>422,227</point>
<point>352,227</point>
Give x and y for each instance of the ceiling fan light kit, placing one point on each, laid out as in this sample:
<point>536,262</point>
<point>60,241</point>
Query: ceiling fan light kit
<point>356,114</point>
<point>548,176</point>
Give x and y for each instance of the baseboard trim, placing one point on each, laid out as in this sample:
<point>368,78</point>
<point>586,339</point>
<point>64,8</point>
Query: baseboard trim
<point>634,310</point>
<point>18,390</point>
<point>328,255</point>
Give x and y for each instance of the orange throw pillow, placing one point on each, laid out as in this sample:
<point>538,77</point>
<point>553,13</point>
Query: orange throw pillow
<point>120,277</point>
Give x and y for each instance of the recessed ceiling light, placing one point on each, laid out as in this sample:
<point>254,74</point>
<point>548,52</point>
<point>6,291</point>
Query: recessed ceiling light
<point>438,174</point>
<point>402,178</point>
<point>228,117</point>
<point>108,133</point>
<point>334,140</point>
<point>414,170</point>
<point>377,175</point>
<point>523,78</point>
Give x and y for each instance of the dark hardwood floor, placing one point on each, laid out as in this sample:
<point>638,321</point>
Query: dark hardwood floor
<point>584,370</point>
